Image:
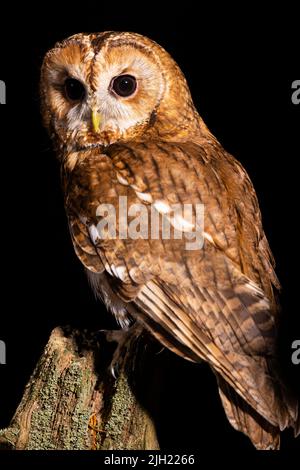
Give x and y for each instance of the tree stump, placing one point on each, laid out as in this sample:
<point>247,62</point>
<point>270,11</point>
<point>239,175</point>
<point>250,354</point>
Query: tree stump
<point>72,402</point>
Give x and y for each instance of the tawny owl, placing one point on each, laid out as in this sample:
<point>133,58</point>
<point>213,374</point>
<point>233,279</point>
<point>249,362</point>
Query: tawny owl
<point>125,129</point>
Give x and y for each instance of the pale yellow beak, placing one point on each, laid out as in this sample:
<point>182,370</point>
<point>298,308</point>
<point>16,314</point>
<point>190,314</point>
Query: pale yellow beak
<point>96,120</point>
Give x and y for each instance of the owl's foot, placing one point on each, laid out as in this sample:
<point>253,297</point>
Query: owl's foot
<point>124,340</point>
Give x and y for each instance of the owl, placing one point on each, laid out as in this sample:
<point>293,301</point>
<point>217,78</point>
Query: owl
<point>126,133</point>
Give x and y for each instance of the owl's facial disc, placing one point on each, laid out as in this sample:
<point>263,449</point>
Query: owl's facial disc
<point>101,95</point>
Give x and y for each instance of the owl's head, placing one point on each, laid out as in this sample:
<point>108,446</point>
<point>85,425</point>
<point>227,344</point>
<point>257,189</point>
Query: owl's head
<point>97,89</point>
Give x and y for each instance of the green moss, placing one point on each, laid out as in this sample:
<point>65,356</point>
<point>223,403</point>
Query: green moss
<point>58,393</point>
<point>120,414</point>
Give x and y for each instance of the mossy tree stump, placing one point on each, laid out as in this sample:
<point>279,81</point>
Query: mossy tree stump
<point>72,402</point>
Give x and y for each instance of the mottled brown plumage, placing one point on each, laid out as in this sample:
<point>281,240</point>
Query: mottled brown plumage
<point>216,303</point>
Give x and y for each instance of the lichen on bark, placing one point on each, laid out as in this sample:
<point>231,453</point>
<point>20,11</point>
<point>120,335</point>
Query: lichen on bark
<point>71,402</point>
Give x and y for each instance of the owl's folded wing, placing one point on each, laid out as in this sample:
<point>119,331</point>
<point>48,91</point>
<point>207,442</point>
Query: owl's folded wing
<point>225,334</point>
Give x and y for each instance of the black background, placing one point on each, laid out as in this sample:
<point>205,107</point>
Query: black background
<point>240,67</point>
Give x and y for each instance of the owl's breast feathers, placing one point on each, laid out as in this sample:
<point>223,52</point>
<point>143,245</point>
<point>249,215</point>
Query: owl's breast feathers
<point>215,303</point>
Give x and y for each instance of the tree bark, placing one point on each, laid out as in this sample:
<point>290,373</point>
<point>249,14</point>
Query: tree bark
<point>72,402</point>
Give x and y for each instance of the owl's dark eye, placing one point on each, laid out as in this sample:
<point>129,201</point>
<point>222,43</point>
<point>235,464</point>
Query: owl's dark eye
<point>74,89</point>
<point>124,85</point>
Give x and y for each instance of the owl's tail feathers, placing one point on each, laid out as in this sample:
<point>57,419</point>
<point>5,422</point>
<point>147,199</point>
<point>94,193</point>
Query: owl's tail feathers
<point>263,434</point>
<point>297,423</point>
<point>288,402</point>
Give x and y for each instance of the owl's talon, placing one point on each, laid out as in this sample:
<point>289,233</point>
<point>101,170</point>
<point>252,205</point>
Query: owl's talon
<point>124,340</point>
<point>114,370</point>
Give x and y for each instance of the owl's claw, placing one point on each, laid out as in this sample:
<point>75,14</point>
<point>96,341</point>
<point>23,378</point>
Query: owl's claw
<point>124,340</point>
<point>114,370</point>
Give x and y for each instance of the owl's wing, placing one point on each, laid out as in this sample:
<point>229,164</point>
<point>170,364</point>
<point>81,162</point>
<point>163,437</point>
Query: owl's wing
<point>216,303</point>
<point>84,249</point>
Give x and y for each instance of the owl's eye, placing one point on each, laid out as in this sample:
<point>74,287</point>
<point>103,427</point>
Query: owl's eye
<point>74,89</point>
<point>123,85</point>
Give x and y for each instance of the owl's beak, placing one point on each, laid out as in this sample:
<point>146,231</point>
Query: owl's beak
<point>96,120</point>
